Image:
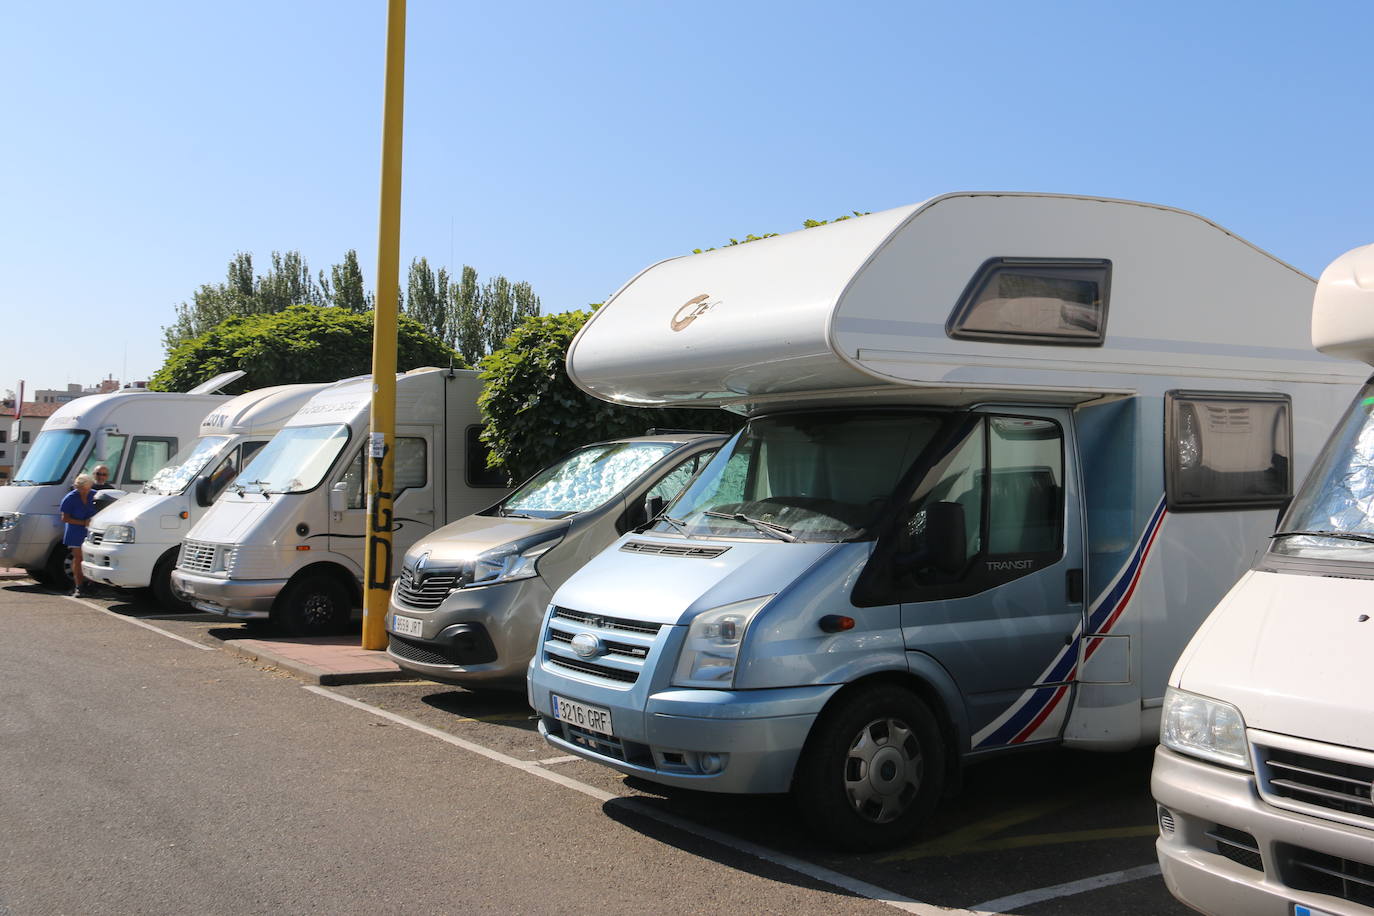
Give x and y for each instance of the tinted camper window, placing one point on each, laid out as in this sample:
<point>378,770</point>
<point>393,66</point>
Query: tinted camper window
<point>1035,300</point>
<point>1224,450</point>
<point>475,469</point>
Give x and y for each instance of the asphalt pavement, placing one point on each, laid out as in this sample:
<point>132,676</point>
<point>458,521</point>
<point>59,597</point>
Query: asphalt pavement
<point>145,770</point>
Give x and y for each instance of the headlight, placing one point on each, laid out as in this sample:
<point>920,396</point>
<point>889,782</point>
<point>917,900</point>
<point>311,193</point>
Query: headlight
<point>712,647</point>
<point>10,521</point>
<point>516,560</point>
<point>119,534</point>
<point>1204,728</point>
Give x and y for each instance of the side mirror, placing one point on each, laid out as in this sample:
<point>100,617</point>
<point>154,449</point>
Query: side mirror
<point>653,508</point>
<point>338,497</point>
<point>203,491</point>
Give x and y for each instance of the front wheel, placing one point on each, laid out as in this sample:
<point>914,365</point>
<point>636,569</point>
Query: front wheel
<point>872,769</point>
<point>315,605</point>
<point>57,571</point>
<point>161,584</point>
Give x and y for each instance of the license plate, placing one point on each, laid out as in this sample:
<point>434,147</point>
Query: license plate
<point>1300,910</point>
<point>407,626</point>
<point>583,715</point>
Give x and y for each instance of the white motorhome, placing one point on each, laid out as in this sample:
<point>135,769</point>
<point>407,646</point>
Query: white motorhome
<point>133,431</point>
<point>973,508</point>
<point>1265,771</point>
<point>134,544</point>
<point>285,541</point>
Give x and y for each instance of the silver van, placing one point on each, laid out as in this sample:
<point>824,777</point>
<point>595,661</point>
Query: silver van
<point>467,605</point>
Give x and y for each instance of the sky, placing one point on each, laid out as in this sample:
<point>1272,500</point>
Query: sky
<point>571,145</point>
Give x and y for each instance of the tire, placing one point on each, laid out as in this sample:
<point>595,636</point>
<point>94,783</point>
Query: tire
<point>161,586</point>
<point>57,572</point>
<point>873,769</point>
<point>314,605</point>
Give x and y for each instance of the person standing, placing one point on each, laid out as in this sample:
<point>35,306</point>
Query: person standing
<point>77,508</point>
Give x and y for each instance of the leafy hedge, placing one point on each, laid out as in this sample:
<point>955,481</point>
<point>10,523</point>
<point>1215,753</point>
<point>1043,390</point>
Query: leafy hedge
<point>535,414</point>
<point>304,343</point>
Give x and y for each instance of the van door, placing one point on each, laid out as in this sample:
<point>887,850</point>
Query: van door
<point>412,504</point>
<point>1001,608</point>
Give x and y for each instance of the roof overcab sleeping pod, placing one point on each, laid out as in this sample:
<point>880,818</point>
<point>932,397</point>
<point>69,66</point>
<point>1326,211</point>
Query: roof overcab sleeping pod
<point>1004,451</point>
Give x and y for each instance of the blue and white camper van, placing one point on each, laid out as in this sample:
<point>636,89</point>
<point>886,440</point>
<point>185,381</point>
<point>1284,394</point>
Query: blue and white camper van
<point>1003,453</point>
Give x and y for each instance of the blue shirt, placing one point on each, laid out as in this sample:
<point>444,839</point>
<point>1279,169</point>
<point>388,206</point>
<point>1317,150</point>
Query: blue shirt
<point>75,507</point>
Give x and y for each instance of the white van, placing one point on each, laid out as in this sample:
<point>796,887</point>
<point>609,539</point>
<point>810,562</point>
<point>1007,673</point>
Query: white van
<point>974,508</point>
<point>134,544</point>
<point>133,431</point>
<point>1265,773</point>
<point>285,541</point>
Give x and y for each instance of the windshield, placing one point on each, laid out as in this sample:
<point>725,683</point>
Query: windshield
<point>1337,498</point>
<point>185,465</point>
<point>50,458</point>
<point>584,480</point>
<point>814,476</point>
<point>295,460</point>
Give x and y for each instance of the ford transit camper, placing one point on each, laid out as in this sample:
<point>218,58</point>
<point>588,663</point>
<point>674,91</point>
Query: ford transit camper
<point>1003,453</point>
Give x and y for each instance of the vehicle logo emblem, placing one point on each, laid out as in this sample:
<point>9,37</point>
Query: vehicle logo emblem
<point>421,560</point>
<point>691,310</point>
<point>585,645</point>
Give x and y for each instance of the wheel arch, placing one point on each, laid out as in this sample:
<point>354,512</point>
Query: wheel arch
<point>334,571</point>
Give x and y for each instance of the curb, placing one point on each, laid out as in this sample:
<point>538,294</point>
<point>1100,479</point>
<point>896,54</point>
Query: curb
<point>310,673</point>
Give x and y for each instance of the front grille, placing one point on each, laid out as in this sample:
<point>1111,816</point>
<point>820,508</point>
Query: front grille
<point>1307,870</point>
<point>577,664</point>
<point>673,550</point>
<point>1314,780</point>
<point>605,745</point>
<point>598,622</point>
<point>1237,845</point>
<point>611,647</point>
<point>95,537</point>
<point>197,556</point>
<point>414,652</point>
<point>426,591</point>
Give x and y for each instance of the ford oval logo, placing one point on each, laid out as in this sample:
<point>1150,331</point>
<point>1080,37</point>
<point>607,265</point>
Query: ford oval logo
<point>586,645</point>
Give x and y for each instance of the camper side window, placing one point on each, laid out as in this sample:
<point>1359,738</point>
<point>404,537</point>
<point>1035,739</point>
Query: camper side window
<point>476,470</point>
<point>1035,301</point>
<point>1227,450</point>
<point>409,465</point>
<point>147,456</point>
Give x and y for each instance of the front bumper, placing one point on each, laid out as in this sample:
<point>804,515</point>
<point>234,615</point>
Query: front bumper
<point>753,736</point>
<point>121,565</point>
<point>240,599</point>
<point>478,635</point>
<point>29,542</point>
<point>1200,797</point>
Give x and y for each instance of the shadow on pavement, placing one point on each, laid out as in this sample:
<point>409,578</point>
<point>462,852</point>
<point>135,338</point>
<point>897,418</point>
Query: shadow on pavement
<point>498,707</point>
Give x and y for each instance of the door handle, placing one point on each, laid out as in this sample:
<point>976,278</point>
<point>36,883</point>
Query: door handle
<point>1073,586</point>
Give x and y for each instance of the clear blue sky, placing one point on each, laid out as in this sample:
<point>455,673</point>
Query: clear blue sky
<point>570,145</point>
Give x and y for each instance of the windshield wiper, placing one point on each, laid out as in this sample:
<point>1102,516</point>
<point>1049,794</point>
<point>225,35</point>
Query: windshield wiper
<point>239,488</point>
<point>506,513</point>
<point>781,532</point>
<point>22,482</point>
<point>1340,535</point>
<point>677,523</point>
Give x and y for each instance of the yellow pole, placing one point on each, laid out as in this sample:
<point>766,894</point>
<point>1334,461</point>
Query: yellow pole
<point>377,563</point>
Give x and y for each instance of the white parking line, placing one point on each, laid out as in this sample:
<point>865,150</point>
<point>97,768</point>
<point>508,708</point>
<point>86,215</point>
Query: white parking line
<point>1002,904</point>
<point>138,623</point>
<point>800,866</point>
<point>569,758</point>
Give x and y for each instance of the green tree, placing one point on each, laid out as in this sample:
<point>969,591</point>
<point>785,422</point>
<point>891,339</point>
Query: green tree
<point>464,317</point>
<point>288,282</point>
<point>427,298</point>
<point>806,224</point>
<point>535,413</point>
<point>302,343</point>
<point>344,289</point>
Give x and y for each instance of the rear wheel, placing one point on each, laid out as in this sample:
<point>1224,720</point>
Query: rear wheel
<point>872,770</point>
<point>314,605</point>
<point>161,585</point>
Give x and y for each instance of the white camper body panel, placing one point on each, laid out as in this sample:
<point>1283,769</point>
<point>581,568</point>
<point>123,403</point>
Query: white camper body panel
<point>122,429</point>
<point>863,304</point>
<point>256,541</point>
<point>151,524</point>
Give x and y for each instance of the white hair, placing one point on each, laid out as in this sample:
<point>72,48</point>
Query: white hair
<point>84,480</point>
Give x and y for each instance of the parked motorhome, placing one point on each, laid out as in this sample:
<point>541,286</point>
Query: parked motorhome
<point>470,597</point>
<point>973,510</point>
<point>135,544</point>
<point>285,541</point>
<point>1265,767</point>
<point>133,431</point>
